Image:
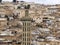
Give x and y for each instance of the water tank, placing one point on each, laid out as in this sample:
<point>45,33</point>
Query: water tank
<point>0,1</point>
<point>14,0</point>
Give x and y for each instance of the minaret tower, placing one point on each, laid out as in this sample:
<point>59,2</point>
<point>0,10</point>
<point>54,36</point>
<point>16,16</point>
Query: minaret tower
<point>26,36</point>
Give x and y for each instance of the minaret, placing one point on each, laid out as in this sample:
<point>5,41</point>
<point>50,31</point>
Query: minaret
<point>26,35</point>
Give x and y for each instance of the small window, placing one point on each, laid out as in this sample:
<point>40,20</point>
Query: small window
<point>18,7</point>
<point>23,39</point>
<point>28,34</point>
<point>27,7</point>
<point>28,43</point>
<point>45,18</point>
<point>23,34</point>
<point>19,43</point>
<point>25,43</point>
<point>28,39</point>
<point>14,40</point>
<point>15,32</point>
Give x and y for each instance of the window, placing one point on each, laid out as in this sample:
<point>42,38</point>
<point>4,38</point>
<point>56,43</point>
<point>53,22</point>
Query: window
<point>28,34</point>
<point>18,42</point>
<point>45,18</point>
<point>23,34</point>
<point>28,29</point>
<point>23,28</point>
<point>14,40</point>
<point>28,24</point>
<point>25,43</point>
<point>18,7</point>
<point>15,32</point>
<point>23,23</point>
<point>28,43</point>
<point>23,39</point>
<point>28,39</point>
<point>9,44</point>
<point>27,7</point>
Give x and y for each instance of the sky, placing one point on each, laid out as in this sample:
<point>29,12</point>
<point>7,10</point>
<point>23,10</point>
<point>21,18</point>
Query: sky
<point>51,2</point>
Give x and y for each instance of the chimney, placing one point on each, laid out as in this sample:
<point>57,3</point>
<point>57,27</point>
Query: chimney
<point>0,1</point>
<point>14,0</point>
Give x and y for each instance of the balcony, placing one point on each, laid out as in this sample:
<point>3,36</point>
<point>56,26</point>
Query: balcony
<point>6,33</point>
<point>3,19</point>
